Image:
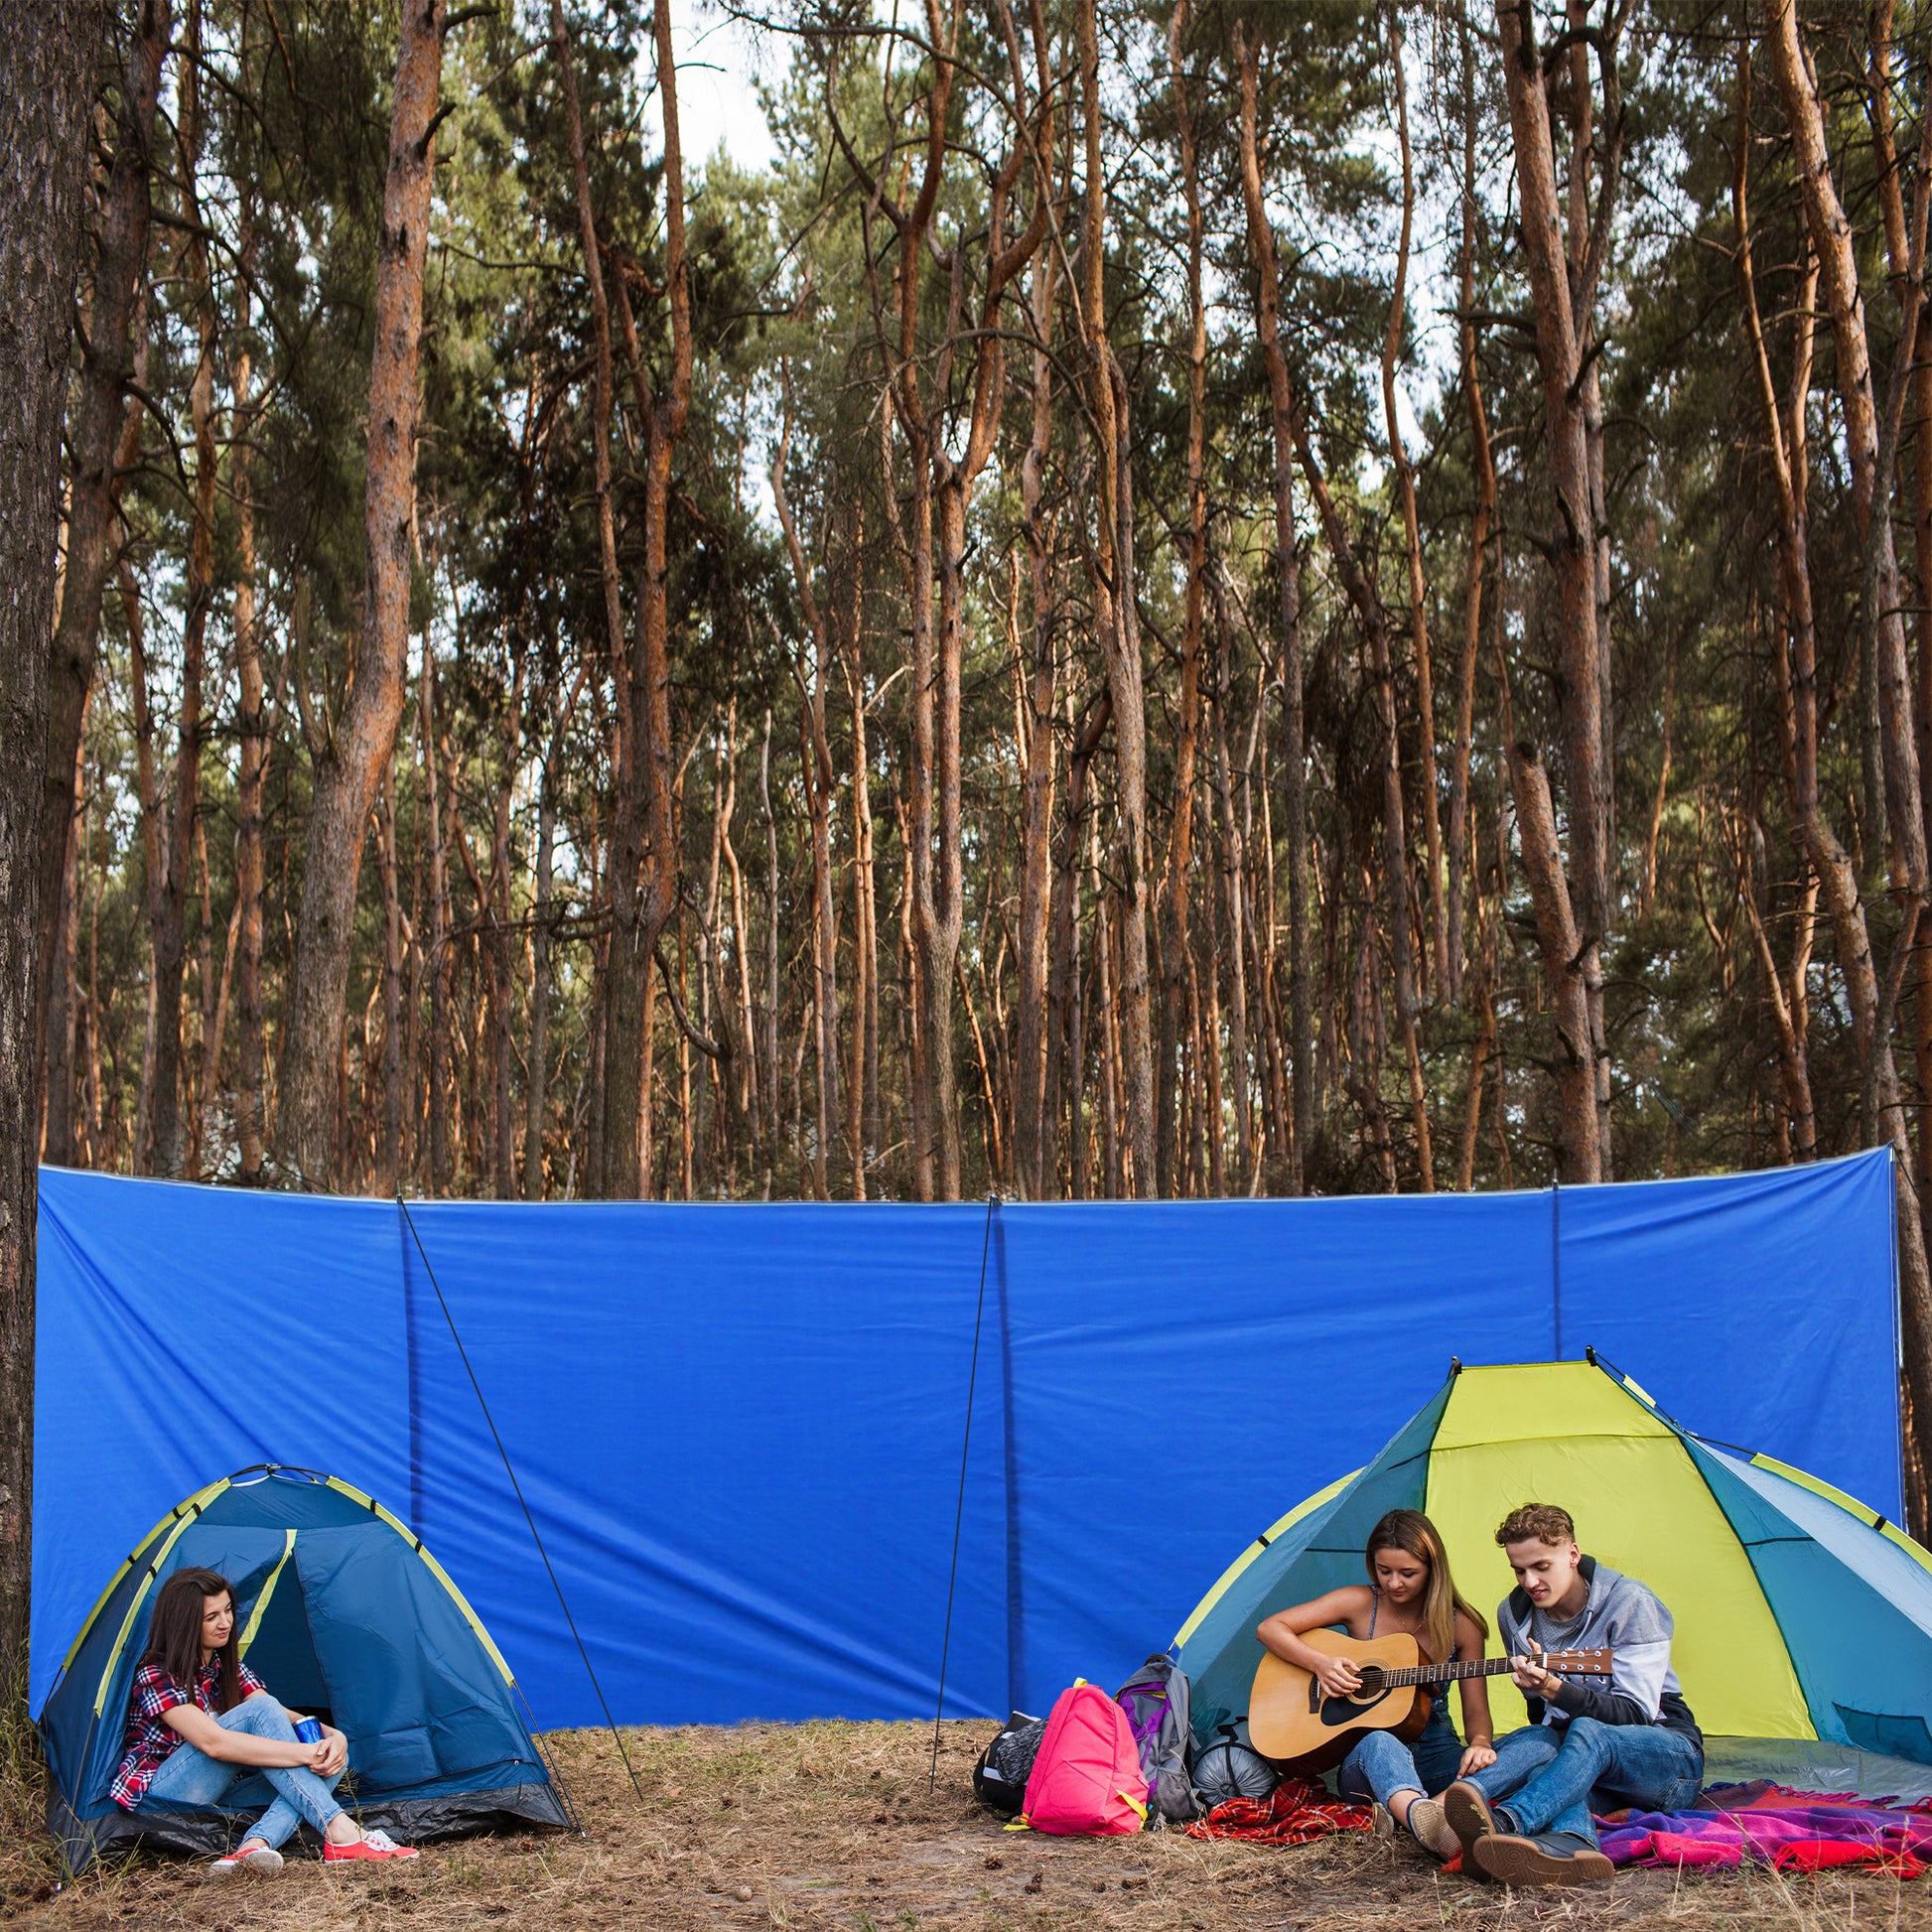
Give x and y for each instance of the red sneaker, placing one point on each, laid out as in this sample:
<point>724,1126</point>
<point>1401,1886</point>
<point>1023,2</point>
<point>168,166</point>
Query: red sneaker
<point>371,1845</point>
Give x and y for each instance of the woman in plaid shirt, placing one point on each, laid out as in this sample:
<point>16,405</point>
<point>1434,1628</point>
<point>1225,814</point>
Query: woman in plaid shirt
<point>203,1729</point>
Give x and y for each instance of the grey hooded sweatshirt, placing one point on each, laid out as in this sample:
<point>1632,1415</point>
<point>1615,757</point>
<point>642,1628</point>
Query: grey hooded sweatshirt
<point>1624,1618</point>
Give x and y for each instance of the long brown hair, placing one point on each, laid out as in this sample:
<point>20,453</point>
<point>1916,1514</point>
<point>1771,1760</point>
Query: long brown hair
<point>1411,1532</point>
<point>175,1632</point>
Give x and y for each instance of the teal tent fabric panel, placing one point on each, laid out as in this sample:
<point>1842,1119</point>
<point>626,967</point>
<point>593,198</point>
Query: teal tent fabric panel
<point>417,1696</point>
<point>186,1332</point>
<point>740,1427</point>
<point>1855,1609</point>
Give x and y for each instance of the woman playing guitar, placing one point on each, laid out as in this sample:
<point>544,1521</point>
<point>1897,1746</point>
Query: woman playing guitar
<point>1410,1589</point>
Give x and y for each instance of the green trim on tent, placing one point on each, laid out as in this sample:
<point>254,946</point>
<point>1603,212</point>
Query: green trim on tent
<point>436,1569</point>
<point>1272,1534</point>
<point>192,1508</point>
<point>267,1592</point>
<point>201,1497</point>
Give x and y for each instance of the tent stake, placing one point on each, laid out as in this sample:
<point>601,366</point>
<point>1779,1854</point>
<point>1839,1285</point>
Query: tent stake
<point>959,1510</point>
<point>535,1535</point>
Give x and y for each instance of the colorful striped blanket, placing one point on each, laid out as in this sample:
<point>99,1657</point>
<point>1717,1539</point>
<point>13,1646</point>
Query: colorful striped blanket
<point>1767,1824</point>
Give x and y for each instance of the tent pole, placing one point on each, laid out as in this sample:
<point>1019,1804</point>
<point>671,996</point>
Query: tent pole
<point>959,1510</point>
<point>535,1535</point>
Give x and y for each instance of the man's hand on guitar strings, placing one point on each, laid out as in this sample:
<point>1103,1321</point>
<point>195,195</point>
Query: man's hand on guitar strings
<point>1531,1675</point>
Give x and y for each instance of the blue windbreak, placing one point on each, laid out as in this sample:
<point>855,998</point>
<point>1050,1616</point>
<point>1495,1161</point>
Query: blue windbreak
<point>740,1427</point>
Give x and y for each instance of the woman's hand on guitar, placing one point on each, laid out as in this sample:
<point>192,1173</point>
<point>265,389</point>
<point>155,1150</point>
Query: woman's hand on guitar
<point>1477,1757</point>
<point>1338,1677</point>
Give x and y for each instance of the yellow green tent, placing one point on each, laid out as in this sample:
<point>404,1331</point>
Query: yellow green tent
<point>1804,1619</point>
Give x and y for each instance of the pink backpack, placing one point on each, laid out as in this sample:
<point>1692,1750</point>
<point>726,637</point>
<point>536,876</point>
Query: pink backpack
<point>1087,1780</point>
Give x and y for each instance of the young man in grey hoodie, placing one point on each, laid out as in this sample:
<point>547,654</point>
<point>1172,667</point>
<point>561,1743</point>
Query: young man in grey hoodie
<point>1526,1818</point>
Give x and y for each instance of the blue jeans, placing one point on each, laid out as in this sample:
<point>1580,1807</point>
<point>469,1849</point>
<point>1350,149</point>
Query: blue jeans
<point>191,1777</point>
<point>1555,1775</point>
<point>1382,1764</point>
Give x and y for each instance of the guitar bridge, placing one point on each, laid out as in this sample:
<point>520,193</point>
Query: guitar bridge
<point>1315,1695</point>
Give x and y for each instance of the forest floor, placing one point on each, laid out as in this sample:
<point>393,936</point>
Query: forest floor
<point>831,1826</point>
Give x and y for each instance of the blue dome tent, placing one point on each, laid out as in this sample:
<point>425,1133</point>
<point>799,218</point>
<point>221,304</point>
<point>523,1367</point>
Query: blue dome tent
<point>342,1612</point>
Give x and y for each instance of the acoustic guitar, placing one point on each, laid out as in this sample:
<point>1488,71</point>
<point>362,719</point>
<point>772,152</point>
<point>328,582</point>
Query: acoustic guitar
<point>1293,1721</point>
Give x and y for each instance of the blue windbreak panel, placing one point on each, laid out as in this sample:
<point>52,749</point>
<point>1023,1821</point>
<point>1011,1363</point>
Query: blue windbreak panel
<point>1187,1372</point>
<point>186,1332</point>
<point>1775,1291</point>
<point>739,1432</point>
<point>740,1427</point>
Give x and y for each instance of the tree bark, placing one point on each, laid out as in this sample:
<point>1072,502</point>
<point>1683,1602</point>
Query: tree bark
<point>97,432</point>
<point>1562,297</point>
<point>1036,1129</point>
<point>1261,247</point>
<point>46,69</point>
<point>251,723</point>
<point>351,766</point>
<point>1176,948</point>
<point>1405,478</point>
<point>1555,929</point>
<point>1117,621</point>
<point>643,839</point>
<point>168,894</point>
<point>1457,862</point>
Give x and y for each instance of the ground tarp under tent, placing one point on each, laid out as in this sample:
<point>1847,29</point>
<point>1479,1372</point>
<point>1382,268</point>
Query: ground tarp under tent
<point>740,1426</point>
<point>344,1614</point>
<point>1804,1618</point>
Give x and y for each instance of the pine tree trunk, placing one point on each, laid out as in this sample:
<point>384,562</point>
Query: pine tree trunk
<point>98,430</point>
<point>1035,1124</point>
<point>1261,245</point>
<point>644,838</point>
<point>46,69</point>
<point>349,773</point>
<point>1456,859</point>
<point>168,894</point>
<point>1562,334</point>
<point>1438,950</point>
<point>1176,948</point>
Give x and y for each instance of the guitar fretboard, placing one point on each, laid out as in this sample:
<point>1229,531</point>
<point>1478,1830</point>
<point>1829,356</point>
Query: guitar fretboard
<point>1459,1668</point>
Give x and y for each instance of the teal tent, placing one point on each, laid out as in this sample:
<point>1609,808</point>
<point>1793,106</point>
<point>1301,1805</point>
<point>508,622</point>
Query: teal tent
<point>1804,1618</point>
<point>342,1612</point>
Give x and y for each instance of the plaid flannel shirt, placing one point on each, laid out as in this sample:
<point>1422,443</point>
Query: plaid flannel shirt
<point>151,1742</point>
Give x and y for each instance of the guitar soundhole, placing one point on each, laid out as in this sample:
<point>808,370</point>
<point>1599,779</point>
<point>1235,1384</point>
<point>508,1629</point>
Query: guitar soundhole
<point>1372,1686</point>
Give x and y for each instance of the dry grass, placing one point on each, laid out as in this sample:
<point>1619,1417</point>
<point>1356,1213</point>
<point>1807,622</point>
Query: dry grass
<point>831,1825</point>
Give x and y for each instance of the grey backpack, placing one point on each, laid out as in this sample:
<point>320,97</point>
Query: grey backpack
<point>1156,1701</point>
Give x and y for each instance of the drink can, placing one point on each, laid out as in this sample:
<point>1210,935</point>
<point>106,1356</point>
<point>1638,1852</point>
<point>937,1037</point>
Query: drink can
<point>309,1730</point>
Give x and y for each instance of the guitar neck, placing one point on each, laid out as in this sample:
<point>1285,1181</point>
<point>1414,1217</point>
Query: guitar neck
<point>1458,1669</point>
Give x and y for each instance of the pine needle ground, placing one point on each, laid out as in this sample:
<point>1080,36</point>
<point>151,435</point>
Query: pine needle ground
<point>831,1826</point>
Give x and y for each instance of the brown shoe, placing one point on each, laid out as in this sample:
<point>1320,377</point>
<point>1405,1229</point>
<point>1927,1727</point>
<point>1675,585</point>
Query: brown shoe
<point>1554,1859</point>
<point>1466,1812</point>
